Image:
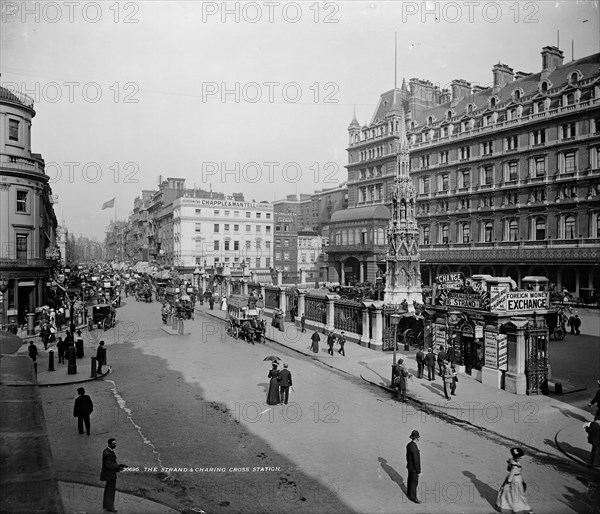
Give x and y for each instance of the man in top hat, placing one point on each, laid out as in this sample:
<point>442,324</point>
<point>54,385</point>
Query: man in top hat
<point>100,357</point>
<point>430,361</point>
<point>413,464</point>
<point>420,362</point>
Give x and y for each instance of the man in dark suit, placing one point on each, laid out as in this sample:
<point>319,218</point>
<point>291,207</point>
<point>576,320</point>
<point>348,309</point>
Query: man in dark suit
<point>430,361</point>
<point>285,382</point>
<point>330,342</point>
<point>110,467</point>
<point>441,359</point>
<point>413,464</point>
<point>82,410</point>
<point>450,354</point>
<point>101,356</point>
<point>420,362</point>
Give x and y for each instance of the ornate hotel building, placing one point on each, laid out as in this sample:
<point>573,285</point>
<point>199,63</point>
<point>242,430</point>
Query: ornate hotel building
<point>28,249</point>
<point>508,176</point>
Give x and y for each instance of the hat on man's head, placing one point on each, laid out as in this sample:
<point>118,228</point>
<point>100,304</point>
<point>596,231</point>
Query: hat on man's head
<point>400,361</point>
<point>285,365</point>
<point>517,452</point>
<point>415,434</point>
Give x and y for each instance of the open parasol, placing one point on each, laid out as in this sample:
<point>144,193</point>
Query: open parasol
<point>273,358</point>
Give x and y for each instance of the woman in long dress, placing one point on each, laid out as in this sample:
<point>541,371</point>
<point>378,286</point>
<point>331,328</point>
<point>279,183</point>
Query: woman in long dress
<point>511,496</point>
<point>273,394</point>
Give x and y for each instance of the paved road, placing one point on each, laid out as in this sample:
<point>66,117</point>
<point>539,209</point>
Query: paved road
<point>197,402</point>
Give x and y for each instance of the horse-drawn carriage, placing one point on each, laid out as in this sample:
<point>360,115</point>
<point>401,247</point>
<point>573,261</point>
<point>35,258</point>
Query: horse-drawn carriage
<point>101,316</point>
<point>143,294</point>
<point>184,308</point>
<point>243,319</point>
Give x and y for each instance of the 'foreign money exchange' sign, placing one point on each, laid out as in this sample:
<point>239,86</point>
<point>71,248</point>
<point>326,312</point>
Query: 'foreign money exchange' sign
<point>526,300</point>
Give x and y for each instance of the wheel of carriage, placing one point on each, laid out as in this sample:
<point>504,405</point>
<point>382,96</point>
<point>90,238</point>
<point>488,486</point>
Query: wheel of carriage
<point>410,337</point>
<point>236,332</point>
<point>106,324</point>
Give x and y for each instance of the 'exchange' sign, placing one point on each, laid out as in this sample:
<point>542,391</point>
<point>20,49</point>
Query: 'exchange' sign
<point>527,300</point>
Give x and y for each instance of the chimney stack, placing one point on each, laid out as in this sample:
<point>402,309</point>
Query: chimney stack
<point>552,57</point>
<point>521,74</point>
<point>503,75</point>
<point>460,89</point>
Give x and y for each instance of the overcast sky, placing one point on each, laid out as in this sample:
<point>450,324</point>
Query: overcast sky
<point>251,97</point>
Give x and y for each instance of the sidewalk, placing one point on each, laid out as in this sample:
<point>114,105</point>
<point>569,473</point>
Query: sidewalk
<point>86,498</point>
<point>536,421</point>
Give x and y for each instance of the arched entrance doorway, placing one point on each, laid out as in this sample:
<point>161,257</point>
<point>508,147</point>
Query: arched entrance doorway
<point>514,273</point>
<point>350,271</point>
<point>568,278</point>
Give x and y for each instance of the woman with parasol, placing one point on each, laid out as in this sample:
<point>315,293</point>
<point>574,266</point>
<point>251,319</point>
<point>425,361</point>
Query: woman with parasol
<point>273,394</point>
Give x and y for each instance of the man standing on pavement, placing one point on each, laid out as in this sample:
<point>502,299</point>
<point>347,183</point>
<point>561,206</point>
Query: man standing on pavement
<point>596,400</point>
<point>303,323</point>
<point>447,378</point>
<point>430,361</point>
<point>33,353</point>
<point>82,410</point>
<point>61,346</point>
<point>110,468</point>
<point>450,354</point>
<point>285,382</point>
<point>101,357</point>
<point>593,430</point>
<point>441,358</point>
<point>400,380</point>
<point>330,342</point>
<point>413,464</point>
<point>576,324</point>
<point>315,342</point>
<point>342,342</point>
<point>45,335</point>
<point>420,362</point>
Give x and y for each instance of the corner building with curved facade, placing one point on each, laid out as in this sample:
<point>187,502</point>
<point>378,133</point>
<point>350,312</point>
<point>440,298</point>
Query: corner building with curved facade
<point>28,224</point>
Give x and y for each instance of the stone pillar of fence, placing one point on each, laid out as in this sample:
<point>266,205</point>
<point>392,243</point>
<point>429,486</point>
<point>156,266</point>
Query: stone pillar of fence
<point>366,326</point>
<point>282,300</point>
<point>302,276</point>
<point>253,277</point>
<point>377,339</point>
<point>330,322</point>
<point>244,287</point>
<point>301,304</point>
<point>227,288</point>
<point>279,278</point>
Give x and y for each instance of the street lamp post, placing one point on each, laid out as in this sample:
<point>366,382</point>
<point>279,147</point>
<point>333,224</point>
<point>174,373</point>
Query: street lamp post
<point>395,320</point>
<point>3,289</point>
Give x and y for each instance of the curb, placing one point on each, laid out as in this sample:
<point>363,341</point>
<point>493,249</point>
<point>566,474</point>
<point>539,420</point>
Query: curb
<point>90,379</point>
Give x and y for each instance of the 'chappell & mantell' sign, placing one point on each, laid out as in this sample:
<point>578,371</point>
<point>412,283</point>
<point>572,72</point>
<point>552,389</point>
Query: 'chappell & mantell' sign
<point>527,300</point>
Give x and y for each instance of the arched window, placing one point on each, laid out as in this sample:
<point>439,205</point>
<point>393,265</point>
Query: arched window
<point>466,233</point>
<point>445,231</point>
<point>540,229</point>
<point>544,88</point>
<point>541,106</point>
<point>430,120</point>
<point>570,99</point>
<point>517,95</point>
<point>488,232</point>
<point>426,233</point>
<point>573,78</point>
<point>570,227</point>
<point>513,230</point>
<point>493,103</point>
<point>470,109</point>
<point>449,115</point>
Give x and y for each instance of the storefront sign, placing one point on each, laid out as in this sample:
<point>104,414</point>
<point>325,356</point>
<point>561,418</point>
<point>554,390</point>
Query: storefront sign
<point>502,352</point>
<point>451,280</point>
<point>497,298</point>
<point>478,331</point>
<point>106,284</point>
<point>469,300</point>
<point>491,350</point>
<point>527,300</point>
<point>439,335</point>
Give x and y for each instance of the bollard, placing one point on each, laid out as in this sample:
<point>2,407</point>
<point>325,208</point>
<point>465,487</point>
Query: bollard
<point>72,363</point>
<point>181,327</point>
<point>168,319</point>
<point>94,368</point>
<point>79,348</point>
<point>31,323</point>
<point>51,360</point>
<point>174,323</point>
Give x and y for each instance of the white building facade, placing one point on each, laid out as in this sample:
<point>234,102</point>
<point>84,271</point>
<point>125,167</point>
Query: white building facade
<point>214,233</point>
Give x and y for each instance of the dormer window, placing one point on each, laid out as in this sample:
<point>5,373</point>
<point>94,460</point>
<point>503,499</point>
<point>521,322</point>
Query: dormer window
<point>470,109</point>
<point>430,120</point>
<point>544,87</point>
<point>517,95</point>
<point>449,115</point>
<point>493,102</point>
<point>412,125</point>
<point>573,78</point>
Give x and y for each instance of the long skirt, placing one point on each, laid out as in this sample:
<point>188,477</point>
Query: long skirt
<point>273,394</point>
<point>315,346</point>
<point>511,498</point>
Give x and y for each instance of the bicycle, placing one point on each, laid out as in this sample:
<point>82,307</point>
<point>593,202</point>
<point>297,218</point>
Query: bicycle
<point>559,333</point>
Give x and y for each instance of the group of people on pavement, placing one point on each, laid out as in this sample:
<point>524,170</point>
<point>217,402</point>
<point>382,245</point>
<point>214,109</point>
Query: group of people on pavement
<point>332,339</point>
<point>279,384</point>
<point>445,360</point>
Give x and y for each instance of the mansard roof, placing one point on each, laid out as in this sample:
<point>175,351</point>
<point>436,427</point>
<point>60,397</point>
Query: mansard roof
<point>379,212</point>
